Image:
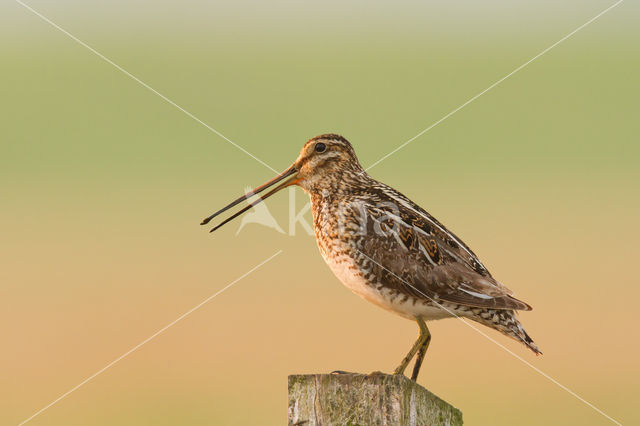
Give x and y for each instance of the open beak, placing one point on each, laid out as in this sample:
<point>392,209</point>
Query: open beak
<point>287,178</point>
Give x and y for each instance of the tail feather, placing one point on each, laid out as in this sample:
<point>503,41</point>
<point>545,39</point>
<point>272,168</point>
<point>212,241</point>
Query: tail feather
<point>506,322</point>
<point>520,334</point>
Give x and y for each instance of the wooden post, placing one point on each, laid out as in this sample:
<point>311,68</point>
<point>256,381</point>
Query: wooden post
<point>361,399</point>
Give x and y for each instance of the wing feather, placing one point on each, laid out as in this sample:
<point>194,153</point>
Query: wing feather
<point>425,260</point>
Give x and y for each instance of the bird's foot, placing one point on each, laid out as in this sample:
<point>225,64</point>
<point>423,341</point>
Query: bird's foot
<point>341,372</point>
<point>372,374</point>
<point>399,371</point>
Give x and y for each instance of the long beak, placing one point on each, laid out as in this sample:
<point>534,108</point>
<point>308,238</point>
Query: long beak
<point>291,173</point>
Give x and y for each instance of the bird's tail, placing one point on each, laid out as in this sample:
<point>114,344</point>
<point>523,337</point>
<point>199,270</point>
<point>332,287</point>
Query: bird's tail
<point>506,322</point>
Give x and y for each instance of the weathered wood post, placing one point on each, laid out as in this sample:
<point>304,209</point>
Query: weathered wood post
<point>361,399</point>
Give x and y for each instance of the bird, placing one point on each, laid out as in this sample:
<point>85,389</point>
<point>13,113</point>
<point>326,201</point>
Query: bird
<point>389,250</point>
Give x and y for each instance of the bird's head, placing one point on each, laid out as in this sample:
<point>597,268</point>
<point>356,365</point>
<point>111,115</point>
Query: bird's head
<point>325,162</point>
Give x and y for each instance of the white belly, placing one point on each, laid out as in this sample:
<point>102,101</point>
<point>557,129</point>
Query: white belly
<point>351,276</point>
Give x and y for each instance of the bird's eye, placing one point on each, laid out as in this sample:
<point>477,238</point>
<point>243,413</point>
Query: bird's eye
<point>320,147</point>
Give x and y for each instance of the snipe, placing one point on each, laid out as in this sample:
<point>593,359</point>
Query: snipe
<point>389,250</point>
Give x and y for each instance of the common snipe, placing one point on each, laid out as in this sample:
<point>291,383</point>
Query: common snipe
<point>389,250</point>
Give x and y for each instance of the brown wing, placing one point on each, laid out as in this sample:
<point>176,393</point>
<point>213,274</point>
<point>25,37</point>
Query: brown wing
<point>412,252</point>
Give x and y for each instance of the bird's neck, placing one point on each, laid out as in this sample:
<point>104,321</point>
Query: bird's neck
<point>336,202</point>
<point>338,185</point>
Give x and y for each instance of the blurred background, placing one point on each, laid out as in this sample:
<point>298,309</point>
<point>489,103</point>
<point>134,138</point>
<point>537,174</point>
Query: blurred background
<point>103,185</point>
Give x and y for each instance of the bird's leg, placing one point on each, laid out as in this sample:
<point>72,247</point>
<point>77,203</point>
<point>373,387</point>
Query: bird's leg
<point>424,333</point>
<point>421,352</point>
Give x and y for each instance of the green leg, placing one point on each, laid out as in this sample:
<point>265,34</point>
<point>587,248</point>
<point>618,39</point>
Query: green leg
<point>424,336</point>
<point>421,352</point>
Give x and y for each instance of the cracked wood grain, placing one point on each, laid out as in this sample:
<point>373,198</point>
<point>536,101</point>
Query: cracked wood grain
<point>360,399</point>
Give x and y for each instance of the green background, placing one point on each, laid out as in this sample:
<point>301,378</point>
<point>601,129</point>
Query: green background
<point>103,184</point>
